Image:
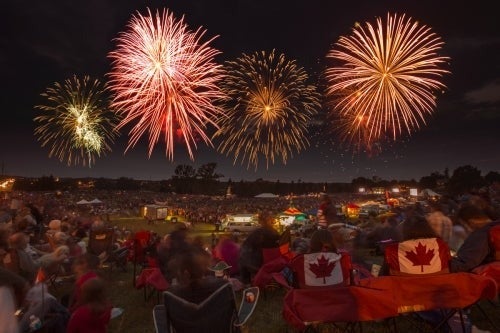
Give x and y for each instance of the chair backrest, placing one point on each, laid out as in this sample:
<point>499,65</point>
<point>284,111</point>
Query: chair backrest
<point>101,240</point>
<point>417,257</point>
<point>495,240</point>
<point>216,314</point>
<point>142,240</point>
<point>321,269</point>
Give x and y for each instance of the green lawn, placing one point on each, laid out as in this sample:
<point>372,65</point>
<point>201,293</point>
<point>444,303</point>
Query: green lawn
<point>137,317</point>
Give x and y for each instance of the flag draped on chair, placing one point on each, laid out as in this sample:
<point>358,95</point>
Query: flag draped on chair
<point>418,256</point>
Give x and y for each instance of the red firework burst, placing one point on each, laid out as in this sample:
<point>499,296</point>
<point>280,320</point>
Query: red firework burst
<point>165,79</point>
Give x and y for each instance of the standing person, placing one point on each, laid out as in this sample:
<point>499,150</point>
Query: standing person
<point>94,312</point>
<point>440,223</point>
<point>326,212</point>
<point>476,249</point>
<point>251,258</point>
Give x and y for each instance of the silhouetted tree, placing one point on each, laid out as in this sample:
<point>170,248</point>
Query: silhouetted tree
<point>465,179</point>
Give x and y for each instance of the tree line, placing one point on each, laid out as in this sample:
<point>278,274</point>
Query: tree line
<point>205,180</point>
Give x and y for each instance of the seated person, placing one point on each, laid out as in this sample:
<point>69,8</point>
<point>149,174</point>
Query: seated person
<point>190,268</point>
<point>228,250</point>
<point>84,267</point>
<point>322,241</point>
<point>476,249</point>
<point>94,312</point>
<point>251,258</point>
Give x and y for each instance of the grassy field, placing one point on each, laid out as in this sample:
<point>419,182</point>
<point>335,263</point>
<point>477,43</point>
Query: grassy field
<point>267,318</point>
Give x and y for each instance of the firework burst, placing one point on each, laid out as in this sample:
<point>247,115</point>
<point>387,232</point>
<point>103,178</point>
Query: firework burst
<point>268,109</point>
<point>165,80</point>
<point>387,80</point>
<point>76,123</point>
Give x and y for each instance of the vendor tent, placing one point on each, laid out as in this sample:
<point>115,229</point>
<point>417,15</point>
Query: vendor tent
<point>266,195</point>
<point>83,202</point>
<point>293,211</point>
<point>96,201</point>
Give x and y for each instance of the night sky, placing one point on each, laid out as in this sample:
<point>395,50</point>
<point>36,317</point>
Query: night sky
<point>48,41</point>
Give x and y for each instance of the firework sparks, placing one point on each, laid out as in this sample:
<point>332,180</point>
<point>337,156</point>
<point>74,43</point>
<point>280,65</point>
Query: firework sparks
<point>166,80</point>
<point>76,122</point>
<point>388,78</point>
<point>268,109</point>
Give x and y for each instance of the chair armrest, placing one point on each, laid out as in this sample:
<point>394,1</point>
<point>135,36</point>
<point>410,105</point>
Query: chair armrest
<point>248,304</point>
<point>160,319</point>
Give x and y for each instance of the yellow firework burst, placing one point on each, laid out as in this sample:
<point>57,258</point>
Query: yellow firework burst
<point>76,122</point>
<point>388,75</point>
<point>268,110</point>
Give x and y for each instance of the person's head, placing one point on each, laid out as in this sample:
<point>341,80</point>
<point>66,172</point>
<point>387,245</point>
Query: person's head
<point>18,240</point>
<point>322,241</point>
<point>473,216</point>
<point>266,219</point>
<point>189,266</point>
<point>85,263</point>
<point>325,198</point>
<point>416,226</point>
<point>93,293</point>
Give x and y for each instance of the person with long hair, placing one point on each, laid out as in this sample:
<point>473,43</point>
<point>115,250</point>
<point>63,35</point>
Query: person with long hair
<point>94,311</point>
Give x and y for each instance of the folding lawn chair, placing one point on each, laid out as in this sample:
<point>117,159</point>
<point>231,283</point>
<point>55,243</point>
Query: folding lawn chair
<point>216,314</point>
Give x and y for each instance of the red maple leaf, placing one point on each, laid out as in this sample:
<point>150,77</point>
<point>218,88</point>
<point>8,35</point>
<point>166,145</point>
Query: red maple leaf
<point>323,268</point>
<point>421,256</point>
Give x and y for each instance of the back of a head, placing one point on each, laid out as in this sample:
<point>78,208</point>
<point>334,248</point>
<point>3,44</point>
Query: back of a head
<point>416,226</point>
<point>93,292</point>
<point>322,241</point>
<point>92,261</point>
<point>265,219</point>
<point>469,212</point>
<point>189,266</point>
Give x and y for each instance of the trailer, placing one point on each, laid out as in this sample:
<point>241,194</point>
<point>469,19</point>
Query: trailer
<point>155,212</point>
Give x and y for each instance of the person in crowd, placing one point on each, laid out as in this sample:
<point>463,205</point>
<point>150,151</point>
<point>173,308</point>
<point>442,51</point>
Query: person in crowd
<point>416,226</point>
<point>322,241</point>
<point>439,222</point>
<point>84,267</point>
<point>43,305</point>
<point>172,244</point>
<point>94,310</point>
<point>326,212</point>
<point>476,249</point>
<point>193,284</point>
<point>251,257</point>
<point>228,250</point>
<point>7,314</point>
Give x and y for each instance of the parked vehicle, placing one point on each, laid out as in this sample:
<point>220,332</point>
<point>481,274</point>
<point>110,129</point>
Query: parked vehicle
<point>240,222</point>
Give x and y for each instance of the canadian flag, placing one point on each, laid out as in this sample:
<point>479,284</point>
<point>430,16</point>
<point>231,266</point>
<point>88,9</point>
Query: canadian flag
<point>418,256</point>
<point>322,269</point>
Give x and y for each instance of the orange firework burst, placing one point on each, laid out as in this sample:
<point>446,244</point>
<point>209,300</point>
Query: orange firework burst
<point>387,77</point>
<point>166,80</point>
<point>269,107</point>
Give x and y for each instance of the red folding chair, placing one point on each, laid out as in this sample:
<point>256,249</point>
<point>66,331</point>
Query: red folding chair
<point>422,259</point>
<point>138,254</point>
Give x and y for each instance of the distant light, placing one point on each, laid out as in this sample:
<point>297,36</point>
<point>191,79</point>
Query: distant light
<point>395,190</point>
<point>361,190</point>
<point>413,192</point>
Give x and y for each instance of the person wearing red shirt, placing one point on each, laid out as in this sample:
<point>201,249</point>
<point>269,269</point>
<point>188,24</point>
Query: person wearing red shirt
<point>94,312</point>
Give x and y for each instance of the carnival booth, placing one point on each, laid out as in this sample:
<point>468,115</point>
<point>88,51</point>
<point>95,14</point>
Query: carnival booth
<point>352,210</point>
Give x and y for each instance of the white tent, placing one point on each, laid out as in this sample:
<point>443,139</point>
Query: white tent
<point>429,193</point>
<point>266,195</point>
<point>83,202</point>
<point>95,201</point>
